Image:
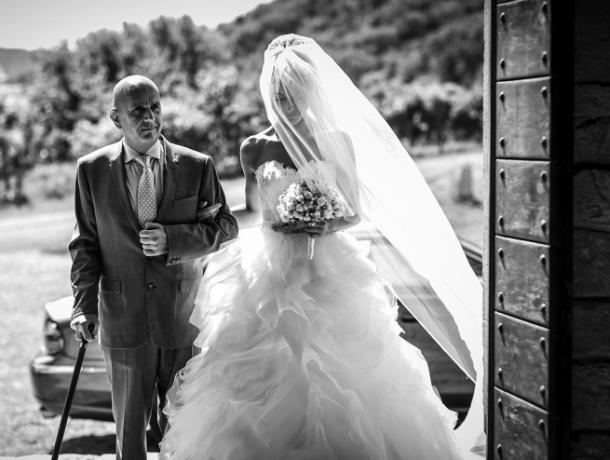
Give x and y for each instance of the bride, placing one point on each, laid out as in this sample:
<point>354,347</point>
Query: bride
<point>301,355</point>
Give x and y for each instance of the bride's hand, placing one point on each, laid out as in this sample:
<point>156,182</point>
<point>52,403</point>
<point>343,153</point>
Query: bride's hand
<point>333,225</point>
<point>301,227</point>
<point>288,227</point>
<point>206,212</point>
<point>317,228</point>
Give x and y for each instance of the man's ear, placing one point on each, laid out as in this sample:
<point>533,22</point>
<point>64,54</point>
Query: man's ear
<point>114,116</point>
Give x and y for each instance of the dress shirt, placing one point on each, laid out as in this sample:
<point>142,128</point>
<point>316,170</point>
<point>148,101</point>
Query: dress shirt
<point>134,169</point>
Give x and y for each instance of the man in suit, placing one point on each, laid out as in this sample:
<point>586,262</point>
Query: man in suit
<point>147,211</point>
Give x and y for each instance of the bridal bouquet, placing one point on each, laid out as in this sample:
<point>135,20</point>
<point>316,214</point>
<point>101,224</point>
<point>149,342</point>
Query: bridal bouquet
<point>310,202</point>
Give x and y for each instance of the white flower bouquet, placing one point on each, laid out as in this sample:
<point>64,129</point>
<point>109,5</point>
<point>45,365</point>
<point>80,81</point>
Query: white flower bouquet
<point>310,202</point>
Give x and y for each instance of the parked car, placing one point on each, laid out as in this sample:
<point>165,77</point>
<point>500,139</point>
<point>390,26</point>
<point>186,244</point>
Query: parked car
<point>454,388</point>
<point>51,369</point>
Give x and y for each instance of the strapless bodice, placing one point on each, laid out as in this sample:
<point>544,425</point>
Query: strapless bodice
<point>273,178</point>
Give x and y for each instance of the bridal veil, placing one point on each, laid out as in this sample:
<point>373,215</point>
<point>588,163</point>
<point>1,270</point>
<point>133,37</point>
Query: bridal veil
<point>321,117</point>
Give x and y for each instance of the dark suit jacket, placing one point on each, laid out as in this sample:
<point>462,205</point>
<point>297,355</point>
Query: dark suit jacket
<point>143,299</point>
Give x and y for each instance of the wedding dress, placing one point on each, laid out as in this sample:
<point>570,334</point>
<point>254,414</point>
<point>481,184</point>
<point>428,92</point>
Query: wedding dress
<point>301,358</point>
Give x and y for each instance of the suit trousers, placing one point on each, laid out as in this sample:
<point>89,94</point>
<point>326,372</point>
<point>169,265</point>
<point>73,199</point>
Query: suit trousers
<point>140,378</point>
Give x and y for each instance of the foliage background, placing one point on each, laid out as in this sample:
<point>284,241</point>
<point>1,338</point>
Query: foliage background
<point>418,61</point>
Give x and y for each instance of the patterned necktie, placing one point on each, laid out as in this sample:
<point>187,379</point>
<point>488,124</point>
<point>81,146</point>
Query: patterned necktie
<point>147,198</point>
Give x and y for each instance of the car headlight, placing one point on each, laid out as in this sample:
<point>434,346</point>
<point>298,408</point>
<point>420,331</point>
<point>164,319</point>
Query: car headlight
<point>53,341</point>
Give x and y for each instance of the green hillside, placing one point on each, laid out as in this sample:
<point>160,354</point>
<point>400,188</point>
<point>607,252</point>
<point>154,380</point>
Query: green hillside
<point>401,38</point>
<point>15,63</point>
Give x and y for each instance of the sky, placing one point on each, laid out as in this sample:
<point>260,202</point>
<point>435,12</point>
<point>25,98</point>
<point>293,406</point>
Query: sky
<point>33,24</point>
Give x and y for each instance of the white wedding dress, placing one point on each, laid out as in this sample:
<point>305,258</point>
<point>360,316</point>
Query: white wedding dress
<point>301,359</point>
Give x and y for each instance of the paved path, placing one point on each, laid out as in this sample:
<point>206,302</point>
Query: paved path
<point>432,168</point>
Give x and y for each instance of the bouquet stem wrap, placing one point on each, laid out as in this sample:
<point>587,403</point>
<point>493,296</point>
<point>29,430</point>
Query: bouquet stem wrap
<point>311,245</point>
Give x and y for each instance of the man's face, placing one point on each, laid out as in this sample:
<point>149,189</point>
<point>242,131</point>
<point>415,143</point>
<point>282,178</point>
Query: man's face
<point>138,115</point>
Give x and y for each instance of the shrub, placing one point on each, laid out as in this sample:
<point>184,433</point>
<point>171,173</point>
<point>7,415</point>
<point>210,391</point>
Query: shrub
<point>50,181</point>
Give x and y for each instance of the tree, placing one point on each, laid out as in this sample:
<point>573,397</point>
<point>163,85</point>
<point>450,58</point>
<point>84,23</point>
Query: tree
<point>16,153</point>
<point>99,54</point>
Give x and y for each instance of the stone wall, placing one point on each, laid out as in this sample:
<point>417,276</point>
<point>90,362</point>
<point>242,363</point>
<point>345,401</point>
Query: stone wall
<point>590,421</point>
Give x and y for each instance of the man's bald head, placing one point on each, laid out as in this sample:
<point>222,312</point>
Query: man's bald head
<point>128,85</point>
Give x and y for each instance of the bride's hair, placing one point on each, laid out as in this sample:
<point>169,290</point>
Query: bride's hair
<point>288,40</point>
<point>293,76</point>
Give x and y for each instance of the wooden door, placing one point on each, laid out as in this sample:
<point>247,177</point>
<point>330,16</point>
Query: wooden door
<point>527,266</point>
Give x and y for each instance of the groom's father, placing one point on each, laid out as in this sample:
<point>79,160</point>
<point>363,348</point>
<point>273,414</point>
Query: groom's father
<point>147,211</point>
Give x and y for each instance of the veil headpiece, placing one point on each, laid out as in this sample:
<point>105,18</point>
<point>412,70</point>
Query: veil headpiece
<point>322,118</point>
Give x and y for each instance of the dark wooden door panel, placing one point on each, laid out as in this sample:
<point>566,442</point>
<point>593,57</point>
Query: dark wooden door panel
<point>522,199</point>
<point>520,429</point>
<point>522,117</point>
<point>523,39</point>
<point>521,358</point>
<point>522,279</point>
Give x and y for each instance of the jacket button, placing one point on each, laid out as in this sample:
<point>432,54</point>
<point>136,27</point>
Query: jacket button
<point>151,286</point>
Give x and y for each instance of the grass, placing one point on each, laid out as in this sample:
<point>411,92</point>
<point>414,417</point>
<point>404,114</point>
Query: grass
<point>30,277</point>
<point>36,265</point>
<point>34,257</point>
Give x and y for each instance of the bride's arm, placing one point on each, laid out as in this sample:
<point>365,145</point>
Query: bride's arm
<point>249,153</point>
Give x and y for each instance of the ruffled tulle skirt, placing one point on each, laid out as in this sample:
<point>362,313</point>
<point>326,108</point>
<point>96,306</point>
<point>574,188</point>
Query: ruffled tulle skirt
<point>302,359</point>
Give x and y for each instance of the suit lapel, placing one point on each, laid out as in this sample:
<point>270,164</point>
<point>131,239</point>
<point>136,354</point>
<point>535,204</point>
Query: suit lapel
<point>117,171</point>
<point>170,178</point>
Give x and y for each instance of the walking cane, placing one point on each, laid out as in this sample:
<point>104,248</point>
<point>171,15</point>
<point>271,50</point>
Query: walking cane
<point>66,410</point>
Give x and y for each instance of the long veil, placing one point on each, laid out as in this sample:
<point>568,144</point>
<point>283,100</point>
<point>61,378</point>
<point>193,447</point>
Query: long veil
<point>322,118</point>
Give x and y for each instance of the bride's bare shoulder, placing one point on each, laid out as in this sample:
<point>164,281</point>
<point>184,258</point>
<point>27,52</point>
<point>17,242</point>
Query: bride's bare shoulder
<point>254,149</point>
<point>250,147</point>
<point>260,148</point>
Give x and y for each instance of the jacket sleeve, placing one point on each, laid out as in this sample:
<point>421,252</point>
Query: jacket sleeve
<point>193,240</point>
<point>84,249</point>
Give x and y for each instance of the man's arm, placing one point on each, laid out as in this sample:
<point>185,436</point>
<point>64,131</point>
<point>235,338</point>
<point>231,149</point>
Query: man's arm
<point>85,252</point>
<point>190,241</point>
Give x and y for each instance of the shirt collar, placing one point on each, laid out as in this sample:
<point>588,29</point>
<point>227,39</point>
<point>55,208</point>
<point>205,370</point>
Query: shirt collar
<point>154,151</point>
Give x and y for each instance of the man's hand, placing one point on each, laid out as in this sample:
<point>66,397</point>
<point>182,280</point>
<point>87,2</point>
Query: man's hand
<point>153,240</point>
<point>85,326</point>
